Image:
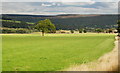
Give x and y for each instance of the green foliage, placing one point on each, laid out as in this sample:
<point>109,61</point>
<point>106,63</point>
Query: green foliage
<point>45,26</point>
<point>15,24</point>
<point>14,21</point>
<point>72,31</point>
<point>100,21</point>
<point>85,31</point>
<point>22,30</point>
<point>99,30</point>
<point>110,30</point>
<point>12,30</point>
<point>80,30</point>
<point>8,30</point>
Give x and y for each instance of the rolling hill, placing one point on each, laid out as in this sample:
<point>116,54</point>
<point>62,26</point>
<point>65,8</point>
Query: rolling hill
<point>69,21</point>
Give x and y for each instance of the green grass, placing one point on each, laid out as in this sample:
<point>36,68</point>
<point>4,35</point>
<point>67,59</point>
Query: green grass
<point>31,52</point>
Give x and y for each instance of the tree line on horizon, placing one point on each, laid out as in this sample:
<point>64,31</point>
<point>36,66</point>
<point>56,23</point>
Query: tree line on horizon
<point>44,26</point>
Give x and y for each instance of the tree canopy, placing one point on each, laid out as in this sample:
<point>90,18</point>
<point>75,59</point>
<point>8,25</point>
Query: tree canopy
<point>45,26</point>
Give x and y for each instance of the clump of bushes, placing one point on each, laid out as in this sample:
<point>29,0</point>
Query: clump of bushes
<point>12,30</point>
<point>85,31</point>
<point>72,31</point>
<point>80,30</point>
<point>52,31</point>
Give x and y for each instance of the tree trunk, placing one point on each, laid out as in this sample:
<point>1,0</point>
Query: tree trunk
<point>42,33</point>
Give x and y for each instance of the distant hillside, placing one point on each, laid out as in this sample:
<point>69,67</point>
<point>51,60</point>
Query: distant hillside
<point>69,21</point>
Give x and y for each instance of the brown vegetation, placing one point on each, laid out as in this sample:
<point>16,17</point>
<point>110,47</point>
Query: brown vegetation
<point>108,62</point>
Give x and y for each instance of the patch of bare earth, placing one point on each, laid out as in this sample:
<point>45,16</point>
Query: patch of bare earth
<point>108,62</point>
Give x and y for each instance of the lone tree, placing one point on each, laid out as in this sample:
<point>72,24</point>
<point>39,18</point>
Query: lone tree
<point>45,26</point>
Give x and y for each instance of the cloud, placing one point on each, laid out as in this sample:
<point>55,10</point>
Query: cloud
<point>107,5</point>
<point>106,0</point>
<point>50,4</point>
<point>46,5</point>
<point>59,8</point>
<point>59,0</point>
<point>78,3</point>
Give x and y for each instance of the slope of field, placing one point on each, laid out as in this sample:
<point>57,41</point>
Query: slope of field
<point>107,62</point>
<point>52,52</point>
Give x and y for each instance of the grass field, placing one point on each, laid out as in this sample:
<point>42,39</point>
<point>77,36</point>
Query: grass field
<point>31,52</point>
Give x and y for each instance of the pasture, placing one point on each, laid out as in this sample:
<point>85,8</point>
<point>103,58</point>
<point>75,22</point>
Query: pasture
<point>53,52</point>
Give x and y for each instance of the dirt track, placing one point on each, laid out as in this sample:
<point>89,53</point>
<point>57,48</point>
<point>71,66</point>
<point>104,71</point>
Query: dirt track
<point>108,62</point>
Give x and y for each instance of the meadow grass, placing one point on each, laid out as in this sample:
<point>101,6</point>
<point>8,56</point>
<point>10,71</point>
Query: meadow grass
<point>53,52</point>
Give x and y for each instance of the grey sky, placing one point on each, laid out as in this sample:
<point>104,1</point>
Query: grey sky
<point>52,8</point>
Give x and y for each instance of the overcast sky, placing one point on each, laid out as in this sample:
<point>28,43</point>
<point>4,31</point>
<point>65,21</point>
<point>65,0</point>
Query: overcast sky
<point>60,0</point>
<point>53,8</point>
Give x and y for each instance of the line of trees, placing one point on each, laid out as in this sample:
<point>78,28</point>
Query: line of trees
<point>96,30</point>
<point>102,21</point>
<point>15,24</point>
<point>45,26</point>
<point>79,30</point>
<point>15,30</point>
